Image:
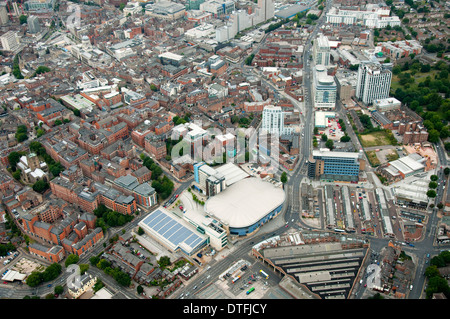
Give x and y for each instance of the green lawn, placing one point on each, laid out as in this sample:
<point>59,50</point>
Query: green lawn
<point>373,159</point>
<point>374,139</point>
<point>418,77</point>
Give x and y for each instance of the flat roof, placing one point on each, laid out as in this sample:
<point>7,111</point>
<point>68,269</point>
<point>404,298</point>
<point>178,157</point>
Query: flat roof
<point>291,11</point>
<point>325,152</point>
<point>245,202</point>
<point>172,231</point>
<point>321,118</point>
<point>232,173</point>
<point>171,56</point>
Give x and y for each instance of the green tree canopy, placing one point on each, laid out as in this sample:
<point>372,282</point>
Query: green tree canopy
<point>23,19</point>
<point>71,259</point>
<point>284,178</point>
<point>40,186</point>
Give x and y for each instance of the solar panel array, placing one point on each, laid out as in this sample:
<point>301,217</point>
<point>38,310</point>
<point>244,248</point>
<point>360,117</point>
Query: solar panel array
<point>171,230</point>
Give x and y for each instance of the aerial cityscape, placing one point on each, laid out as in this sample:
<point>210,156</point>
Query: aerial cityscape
<point>234,150</point>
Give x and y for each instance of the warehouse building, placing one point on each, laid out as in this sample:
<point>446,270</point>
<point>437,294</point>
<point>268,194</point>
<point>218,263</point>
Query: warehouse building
<point>172,232</point>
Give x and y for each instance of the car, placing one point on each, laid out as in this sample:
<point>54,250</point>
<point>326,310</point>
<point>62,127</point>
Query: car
<point>180,207</point>
<point>49,285</point>
<point>286,226</point>
<point>5,282</point>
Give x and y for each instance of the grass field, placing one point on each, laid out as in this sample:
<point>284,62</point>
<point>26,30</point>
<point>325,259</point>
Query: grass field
<point>373,159</point>
<point>375,139</point>
<point>418,77</point>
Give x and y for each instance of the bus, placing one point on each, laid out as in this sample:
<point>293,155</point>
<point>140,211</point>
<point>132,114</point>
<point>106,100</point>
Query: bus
<point>264,274</point>
<point>250,291</point>
<point>236,279</point>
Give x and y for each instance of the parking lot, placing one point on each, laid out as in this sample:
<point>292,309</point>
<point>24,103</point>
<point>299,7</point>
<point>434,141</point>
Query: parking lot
<point>229,287</point>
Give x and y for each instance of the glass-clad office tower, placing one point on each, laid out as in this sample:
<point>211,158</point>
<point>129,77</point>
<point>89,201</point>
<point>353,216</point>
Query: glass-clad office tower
<point>337,166</point>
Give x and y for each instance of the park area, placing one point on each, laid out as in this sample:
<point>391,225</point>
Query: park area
<point>378,138</point>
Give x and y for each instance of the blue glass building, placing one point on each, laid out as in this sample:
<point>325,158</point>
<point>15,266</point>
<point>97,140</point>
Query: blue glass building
<point>340,166</point>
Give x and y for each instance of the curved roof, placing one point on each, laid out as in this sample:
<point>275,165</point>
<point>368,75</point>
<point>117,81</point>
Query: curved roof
<point>245,202</point>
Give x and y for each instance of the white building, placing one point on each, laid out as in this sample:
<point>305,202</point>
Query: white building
<point>388,104</point>
<point>218,7</point>
<point>165,10</point>
<point>202,31</point>
<point>241,19</point>
<point>273,121</point>
<point>374,82</point>
<point>132,8</point>
<point>324,89</point>
<point>321,50</point>
<point>3,14</point>
<point>33,25</point>
<point>373,17</point>
<point>86,282</point>
<point>10,41</point>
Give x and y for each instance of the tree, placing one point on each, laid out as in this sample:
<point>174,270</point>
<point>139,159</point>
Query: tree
<point>284,178</point>
<point>14,158</point>
<point>431,193</point>
<point>446,171</point>
<point>433,185</point>
<point>140,289</point>
<point>122,278</point>
<point>140,231</point>
<point>434,178</point>
<point>59,290</point>
<point>324,137</point>
<point>52,272</point>
<point>329,144</point>
<point>71,259</point>
<point>40,132</point>
<point>40,186</point>
<point>23,19</point>
<point>17,174</point>
<point>21,133</point>
<point>164,261</point>
<point>42,69</point>
<point>94,260</point>
<point>98,285</point>
<point>103,263</point>
<point>249,59</point>
<point>34,279</point>
<point>345,138</point>
<point>433,136</point>
<point>83,268</point>
<point>437,284</point>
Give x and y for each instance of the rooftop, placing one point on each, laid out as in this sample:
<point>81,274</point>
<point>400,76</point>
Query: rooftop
<point>245,202</point>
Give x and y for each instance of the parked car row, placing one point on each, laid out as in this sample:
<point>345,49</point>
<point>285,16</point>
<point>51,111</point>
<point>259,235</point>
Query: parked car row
<point>10,256</point>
